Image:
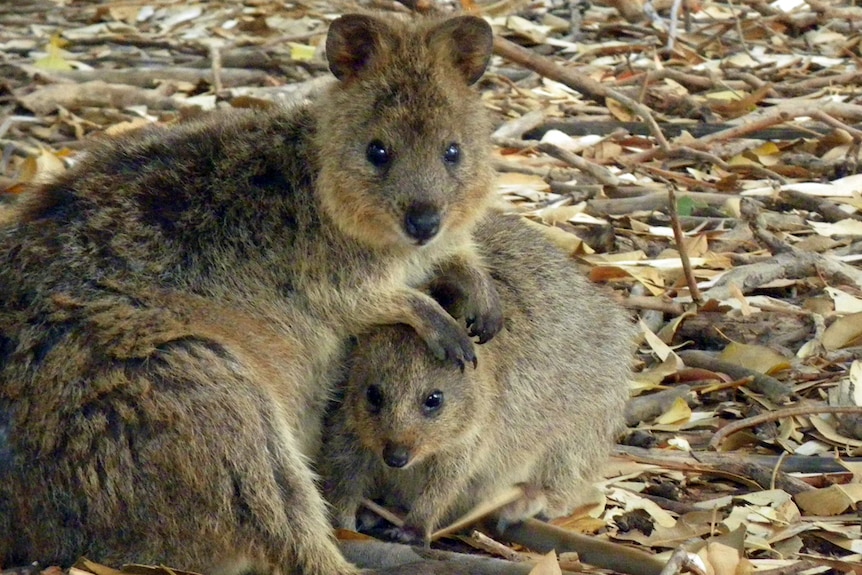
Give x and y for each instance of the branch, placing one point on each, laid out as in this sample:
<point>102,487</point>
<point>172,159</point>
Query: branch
<point>582,83</point>
<point>736,426</point>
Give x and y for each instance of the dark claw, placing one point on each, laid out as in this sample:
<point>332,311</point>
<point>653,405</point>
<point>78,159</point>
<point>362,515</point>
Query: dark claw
<point>485,328</point>
<point>447,340</point>
<point>460,349</point>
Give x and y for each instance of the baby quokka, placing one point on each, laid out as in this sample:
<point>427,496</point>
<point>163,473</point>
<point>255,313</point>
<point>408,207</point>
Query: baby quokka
<point>541,410</point>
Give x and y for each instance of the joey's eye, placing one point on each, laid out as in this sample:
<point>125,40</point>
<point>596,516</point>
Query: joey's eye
<point>452,155</point>
<point>377,154</point>
<point>433,402</point>
<point>374,396</point>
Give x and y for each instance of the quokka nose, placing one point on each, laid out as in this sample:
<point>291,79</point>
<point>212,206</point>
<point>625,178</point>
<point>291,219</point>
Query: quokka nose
<point>422,222</point>
<point>396,455</point>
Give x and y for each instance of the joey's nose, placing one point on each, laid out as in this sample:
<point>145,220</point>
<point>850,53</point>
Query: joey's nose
<point>396,455</point>
<point>422,222</point>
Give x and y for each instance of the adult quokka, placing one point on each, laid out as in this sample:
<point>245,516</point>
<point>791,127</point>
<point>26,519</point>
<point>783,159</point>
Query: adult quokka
<point>171,308</point>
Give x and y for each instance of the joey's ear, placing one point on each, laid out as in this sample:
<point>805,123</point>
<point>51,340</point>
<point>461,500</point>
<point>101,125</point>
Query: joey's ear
<point>354,42</point>
<point>467,41</point>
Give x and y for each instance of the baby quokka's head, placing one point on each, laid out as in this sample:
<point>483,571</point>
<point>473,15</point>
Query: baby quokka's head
<point>403,404</point>
<point>403,137</point>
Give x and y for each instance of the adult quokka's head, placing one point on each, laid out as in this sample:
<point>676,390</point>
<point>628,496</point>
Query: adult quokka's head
<point>402,135</point>
<point>403,404</point>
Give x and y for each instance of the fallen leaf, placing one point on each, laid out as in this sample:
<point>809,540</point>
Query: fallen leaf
<point>754,357</point>
<point>678,412</point>
<point>55,59</point>
<point>832,500</point>
<point>844,332</point>
<point>547,565</point>
<point>848,227</point>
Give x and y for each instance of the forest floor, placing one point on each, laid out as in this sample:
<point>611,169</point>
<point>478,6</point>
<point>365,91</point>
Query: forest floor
<point>706,167</point>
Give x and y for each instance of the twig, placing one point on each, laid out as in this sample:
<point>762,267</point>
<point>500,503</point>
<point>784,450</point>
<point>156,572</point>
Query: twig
<point>482,510</point>
<point>835,123</point>
<point>542,537</point>
<point>807,86</point>
<point>760,120</point>
<point>826,208</point>
<point>646,407</point>
<point>649,202</point>
<point>600,173</point>
<point>736,426</point>
<point>674,22</point>
<point>653,303</point>
<point>769,386</point>
<point>580,82</point>
<point>215,57</point>
<point>783,265</point>
<point>383,512</point>
<point>148,77</point>
<point>679,238</point>
<point>775,471</point>
<point>752,471</point>
<point>484,543</point>
<point>516,128</point>
<point>738,24</point>
<point>792,463</point>
<point>547,172</point>
<point>375,554</point>
<point>798,567</point>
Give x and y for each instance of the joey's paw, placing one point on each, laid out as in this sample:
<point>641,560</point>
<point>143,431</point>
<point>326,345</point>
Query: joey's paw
<point>367,520</point>
<point>484,313</point>
<point>534,502</point>
<point>406,534</point>
<point>485,326</point>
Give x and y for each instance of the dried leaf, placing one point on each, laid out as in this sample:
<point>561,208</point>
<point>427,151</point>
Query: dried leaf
<point>721,559</point>
<point>547,565</point>
<point>619,111</point>
<point>848,227</point>
<point>98,569</point>
<point>832,500</point>
<point>678,412</point>
<point>55,59</point>
<point>844,332</point>
<point>755,357</point>
<point>301,52</point>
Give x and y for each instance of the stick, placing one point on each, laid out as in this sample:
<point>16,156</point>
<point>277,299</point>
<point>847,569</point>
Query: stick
<point>600,173</point>
<point>736,426</point>
<point>683,251</point>
<point>580,82</point>
<point>542,537</point>
<point>769,386</point>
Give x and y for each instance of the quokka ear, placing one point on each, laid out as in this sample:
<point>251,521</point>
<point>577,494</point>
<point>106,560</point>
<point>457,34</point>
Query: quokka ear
<point>353,43</point>
<point>467,41</point>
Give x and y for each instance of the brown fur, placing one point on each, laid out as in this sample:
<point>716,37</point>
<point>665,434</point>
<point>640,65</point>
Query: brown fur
<point>541,410</point>
<point>172,308</point>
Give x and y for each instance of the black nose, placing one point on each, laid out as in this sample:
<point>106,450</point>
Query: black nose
<point>396,455</point>
<point>422,222</point>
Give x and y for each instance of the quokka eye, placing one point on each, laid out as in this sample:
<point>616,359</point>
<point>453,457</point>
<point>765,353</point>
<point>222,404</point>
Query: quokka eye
<point>377,154</point>
<point>374,397</point>
<point>433,402</point>
<point>452,155</point>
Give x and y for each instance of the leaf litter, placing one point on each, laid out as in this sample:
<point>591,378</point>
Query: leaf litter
<point>749,111</point>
